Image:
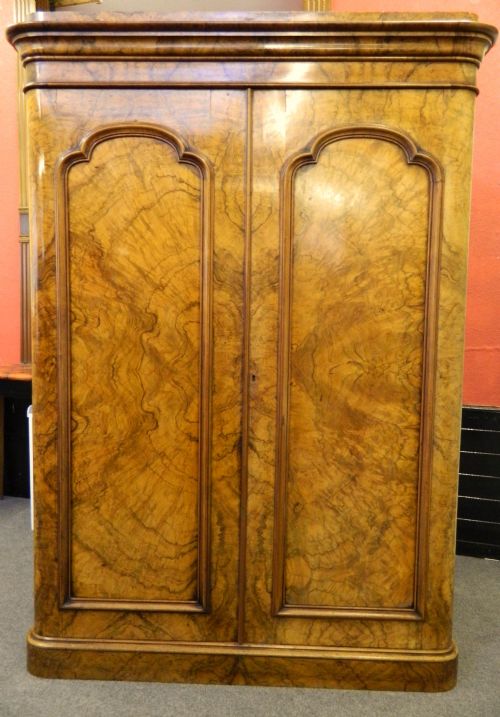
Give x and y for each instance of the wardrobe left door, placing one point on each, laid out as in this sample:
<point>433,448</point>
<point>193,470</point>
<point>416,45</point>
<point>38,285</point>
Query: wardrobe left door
<point>137,203</point>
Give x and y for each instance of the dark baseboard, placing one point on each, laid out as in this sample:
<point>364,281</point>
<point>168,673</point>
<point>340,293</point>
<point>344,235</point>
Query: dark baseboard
<point>478,528</point>
<point>16,447</point>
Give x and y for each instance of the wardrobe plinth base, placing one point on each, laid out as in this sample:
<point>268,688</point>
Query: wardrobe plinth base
<point>410,671</point>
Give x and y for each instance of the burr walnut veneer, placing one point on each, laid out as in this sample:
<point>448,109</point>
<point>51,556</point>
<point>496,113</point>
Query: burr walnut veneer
<point>250,239</point>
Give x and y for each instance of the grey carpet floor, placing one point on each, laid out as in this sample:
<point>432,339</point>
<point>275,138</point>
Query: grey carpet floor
<point>477,632</point>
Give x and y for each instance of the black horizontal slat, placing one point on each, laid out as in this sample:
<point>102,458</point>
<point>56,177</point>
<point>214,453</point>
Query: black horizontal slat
<point>478,550</point>
<point>478,532</point>
<point>19,390</point>
<point>483,464</point>
<point>479,509</point>
<point>479,486</point>
<point>486,418</point>
<point>480,441</point>
<point>16,466</point>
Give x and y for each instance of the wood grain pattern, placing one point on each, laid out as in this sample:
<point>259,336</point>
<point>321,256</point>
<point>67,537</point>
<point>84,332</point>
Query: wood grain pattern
<point>222,115</point>
<point>242,664</point>
<point>255,36</point>
<point>310,49</point>
<point>283,122</point>
<point>352,379</point>
<point>403,74</point>
<point>135,286</point>
<point>353,345</point>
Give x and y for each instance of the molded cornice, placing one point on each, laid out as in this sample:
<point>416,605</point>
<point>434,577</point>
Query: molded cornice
<point>253,35</point>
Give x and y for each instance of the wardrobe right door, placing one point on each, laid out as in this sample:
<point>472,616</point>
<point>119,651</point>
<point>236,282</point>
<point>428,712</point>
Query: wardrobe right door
<point>355,368</point>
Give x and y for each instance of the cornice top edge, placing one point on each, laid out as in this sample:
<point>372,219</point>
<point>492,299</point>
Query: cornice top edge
<point>238,18</point>
<point>212,22</point>
<point>50,34</point>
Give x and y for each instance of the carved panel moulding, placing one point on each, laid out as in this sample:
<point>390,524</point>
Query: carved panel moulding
<point>66,318</point>
<point>310,156</point>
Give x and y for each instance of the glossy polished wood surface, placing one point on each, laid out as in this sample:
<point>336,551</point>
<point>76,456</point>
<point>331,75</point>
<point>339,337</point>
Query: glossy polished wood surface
<point>352,297</point>
<point>248,328</point>
<point>142,442</point>
<point>136,322</point>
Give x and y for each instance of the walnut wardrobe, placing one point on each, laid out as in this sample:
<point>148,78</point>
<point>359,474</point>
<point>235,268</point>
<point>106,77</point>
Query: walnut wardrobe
<point>249,264</point>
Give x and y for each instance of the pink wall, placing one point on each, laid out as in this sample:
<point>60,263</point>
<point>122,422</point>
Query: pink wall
<point>9,198</point>
<point>482,352</point>
<point>482,339</point>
